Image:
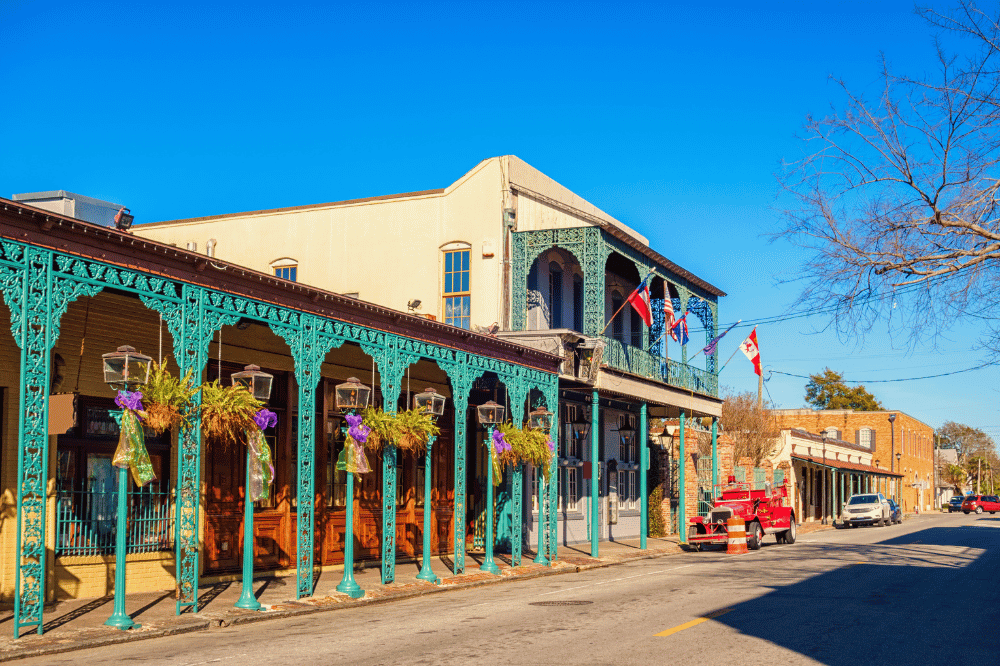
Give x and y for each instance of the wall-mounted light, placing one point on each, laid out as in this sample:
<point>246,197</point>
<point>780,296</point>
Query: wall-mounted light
<point>413,304</point>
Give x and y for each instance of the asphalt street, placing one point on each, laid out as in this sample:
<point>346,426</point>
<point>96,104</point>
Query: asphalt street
<point>924,592</point>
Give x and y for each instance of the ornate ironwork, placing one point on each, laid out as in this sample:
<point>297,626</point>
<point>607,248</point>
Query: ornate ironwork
<point>517,391</point>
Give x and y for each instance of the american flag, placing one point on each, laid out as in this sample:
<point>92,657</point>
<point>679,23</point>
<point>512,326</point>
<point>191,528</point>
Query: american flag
<point>668,315</point>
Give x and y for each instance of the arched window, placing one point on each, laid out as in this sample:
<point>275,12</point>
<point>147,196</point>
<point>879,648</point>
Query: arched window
<point>286,268</point>
<point>556,294</point>
<point>635,328</point>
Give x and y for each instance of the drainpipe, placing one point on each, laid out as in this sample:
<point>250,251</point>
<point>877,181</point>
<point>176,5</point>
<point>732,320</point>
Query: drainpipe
<point>210,247</point>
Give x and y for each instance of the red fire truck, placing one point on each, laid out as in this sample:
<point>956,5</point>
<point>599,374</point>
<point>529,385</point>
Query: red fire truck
<point>763,512</point>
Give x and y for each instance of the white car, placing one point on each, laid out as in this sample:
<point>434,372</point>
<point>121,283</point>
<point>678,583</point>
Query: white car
<point>867,509</point>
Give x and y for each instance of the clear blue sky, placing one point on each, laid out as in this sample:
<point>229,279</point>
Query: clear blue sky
<point>671,117</point>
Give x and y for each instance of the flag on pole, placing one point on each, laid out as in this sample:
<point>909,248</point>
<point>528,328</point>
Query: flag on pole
<point>679,331</point>
<point>752,351</point>
<point>668,313</point>
<point>640,302</point>
<point>710,347</point>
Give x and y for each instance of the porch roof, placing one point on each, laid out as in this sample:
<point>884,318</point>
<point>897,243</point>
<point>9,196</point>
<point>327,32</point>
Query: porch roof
<point>845,466</point>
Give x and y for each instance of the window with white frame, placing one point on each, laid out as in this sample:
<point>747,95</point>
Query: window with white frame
<point>571,494</point>
<point>457,292</point>
<point>627,493</point>
<point>866,438</point>
<point>536,473</point>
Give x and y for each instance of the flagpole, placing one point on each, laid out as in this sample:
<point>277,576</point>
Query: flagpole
<point>608,323</point>
<point>729,359</point>
<point>723,333</point>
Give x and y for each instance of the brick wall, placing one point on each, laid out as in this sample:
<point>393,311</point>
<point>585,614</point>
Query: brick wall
<point>913,439</point>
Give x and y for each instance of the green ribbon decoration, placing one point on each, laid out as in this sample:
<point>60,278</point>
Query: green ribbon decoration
<point>131,451</point>
<point>261,466</point>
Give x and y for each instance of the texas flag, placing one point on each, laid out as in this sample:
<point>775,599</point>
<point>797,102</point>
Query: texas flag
<point>751,350</point>
<point>640,301</point>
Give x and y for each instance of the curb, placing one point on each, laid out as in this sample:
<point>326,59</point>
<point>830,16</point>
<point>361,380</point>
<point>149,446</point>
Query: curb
<point>221,619</point>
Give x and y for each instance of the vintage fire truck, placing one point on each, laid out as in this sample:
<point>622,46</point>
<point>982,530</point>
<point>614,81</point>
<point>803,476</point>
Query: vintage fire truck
<point>763,512</point>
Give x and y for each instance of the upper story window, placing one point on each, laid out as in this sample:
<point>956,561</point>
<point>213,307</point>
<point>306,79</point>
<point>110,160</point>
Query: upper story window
<point>578,304</point>
<point>456,288</point>
<point>866,438</point>
<point>286,269</point>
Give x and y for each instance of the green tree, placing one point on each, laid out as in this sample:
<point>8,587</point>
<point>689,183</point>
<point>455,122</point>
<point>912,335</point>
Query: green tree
<point>827,390</point>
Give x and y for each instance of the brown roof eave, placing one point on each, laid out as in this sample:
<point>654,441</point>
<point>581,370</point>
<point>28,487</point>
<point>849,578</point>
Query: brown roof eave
<point>43,228</point>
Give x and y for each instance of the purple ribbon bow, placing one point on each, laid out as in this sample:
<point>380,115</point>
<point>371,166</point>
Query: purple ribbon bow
<point>500,442</point>
<point>356,430</point>
<point>265,419</point>
<point>127,400</point>
<point>552,445</point>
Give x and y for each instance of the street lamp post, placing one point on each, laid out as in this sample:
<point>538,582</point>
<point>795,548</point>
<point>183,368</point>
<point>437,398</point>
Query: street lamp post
<point>124,370</point>
<point>432,403</point>
<point>350,396</point>
<point>259,385</point>
<point>540,419</point>
<point>490,414</point>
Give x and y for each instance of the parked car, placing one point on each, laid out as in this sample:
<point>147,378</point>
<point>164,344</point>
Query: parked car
<point>895,513</point>
<point>868,509</point>
<point>981,503</point>
<point>955,503</point>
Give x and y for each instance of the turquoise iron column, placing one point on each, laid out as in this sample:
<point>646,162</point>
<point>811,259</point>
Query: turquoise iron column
<point>350,396</point>
<point>119,618</point>
<point>429,402</point>
<point>259,385</point>
<point>489,566</point>
<point>247,599</point>
<point>681,504</point>
<point>540,526</point>
<point>490,414</point>
<point>426,573</point>
<point>715,453</point>
<point>595,465</point>
<point>643,476</point>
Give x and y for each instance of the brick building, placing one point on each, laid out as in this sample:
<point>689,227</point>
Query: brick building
<point>903,445</point>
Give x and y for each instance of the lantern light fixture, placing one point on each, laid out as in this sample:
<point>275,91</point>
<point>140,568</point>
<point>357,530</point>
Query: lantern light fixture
<point>352,394</point>
<point>490,413</point>
<point>125,369</point>
<point>540,419</point>
<point>429,402</point>
<point>254,380</point>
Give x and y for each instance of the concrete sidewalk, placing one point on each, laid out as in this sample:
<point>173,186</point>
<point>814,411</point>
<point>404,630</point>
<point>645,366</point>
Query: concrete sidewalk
<point>79,623</point>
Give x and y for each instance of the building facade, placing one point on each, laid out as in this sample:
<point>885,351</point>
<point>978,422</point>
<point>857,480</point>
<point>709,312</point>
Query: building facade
<point>507,249</point>
<point>899,443</point>
<point>73,291</point>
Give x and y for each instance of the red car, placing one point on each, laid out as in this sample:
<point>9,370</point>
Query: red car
<point>981,503</point>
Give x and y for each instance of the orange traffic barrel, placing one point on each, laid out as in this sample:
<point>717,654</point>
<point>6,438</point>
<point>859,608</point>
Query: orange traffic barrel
<point>737,537</point>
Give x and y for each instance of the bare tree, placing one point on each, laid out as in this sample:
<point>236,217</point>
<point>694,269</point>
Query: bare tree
<point>898,195</point>
<point>753,428</point>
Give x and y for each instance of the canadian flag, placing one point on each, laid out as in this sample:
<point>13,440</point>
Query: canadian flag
<point>751,350</point>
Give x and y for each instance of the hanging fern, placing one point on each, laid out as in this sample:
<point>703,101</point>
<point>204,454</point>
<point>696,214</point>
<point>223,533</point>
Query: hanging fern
<point>409,430</point>
<point>166,398</point>
<point>527,446</point>
<point>226,412</point>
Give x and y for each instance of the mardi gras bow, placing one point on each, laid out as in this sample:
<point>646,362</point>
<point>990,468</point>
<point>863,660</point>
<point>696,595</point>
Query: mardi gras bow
<point>352,459</point>
<point>500,445</point>
<point>261,466</point>
<point>131,451</point>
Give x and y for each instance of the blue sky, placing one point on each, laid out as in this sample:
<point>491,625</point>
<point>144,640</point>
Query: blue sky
<point>672,117</point>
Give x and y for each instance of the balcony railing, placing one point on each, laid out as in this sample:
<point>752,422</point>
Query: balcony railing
<point>640,362</point>
<point>87,520</point>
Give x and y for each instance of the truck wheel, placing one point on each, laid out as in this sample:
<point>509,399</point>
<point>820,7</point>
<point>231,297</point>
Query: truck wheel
<point>754,536</point>
<point>788,536</point>
<point>693,531</point>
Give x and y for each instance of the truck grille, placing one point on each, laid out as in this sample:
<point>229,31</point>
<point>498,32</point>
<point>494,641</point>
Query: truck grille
<point>721,514</point>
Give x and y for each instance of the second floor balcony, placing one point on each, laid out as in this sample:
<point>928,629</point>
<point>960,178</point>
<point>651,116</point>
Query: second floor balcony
<point>578,280</point>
